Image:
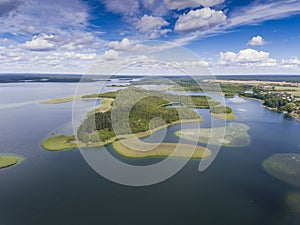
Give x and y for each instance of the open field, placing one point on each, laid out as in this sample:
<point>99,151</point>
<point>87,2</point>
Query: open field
<point>289,87</point>
<point>257,82</point>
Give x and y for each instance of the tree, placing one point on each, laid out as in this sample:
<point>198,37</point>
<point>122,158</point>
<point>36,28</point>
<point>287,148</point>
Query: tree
<point>289,107</point>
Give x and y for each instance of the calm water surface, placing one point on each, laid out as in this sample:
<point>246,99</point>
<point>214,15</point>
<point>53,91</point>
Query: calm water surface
<point>60,188</point>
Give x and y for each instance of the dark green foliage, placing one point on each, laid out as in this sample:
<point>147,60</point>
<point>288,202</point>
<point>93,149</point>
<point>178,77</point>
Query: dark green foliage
<point>229,95</point>
<point>142,106</point>
<point>274,101</point>
<point>289,107</point>
<point>231,89</point>
<point>99,121</point>
<point>112,94</point>
<point>220,109</point>
<point>105,134</point>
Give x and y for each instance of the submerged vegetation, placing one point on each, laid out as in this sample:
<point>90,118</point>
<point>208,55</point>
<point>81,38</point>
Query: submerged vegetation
<point>233,135</point>
<point>293,201</point>
<point>285,167</point>
<point>9,160</point>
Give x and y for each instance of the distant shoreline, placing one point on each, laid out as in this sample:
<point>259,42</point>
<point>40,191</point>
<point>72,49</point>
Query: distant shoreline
<point>271,109</point>
<point>75,78</point>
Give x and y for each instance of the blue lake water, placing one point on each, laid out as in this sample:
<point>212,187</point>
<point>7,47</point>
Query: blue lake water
<point>60,188</point>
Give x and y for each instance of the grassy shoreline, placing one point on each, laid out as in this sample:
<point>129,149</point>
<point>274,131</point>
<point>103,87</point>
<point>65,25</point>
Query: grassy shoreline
<point>60,100</point>
<point>68,99</point>
<point>224,116</point>
<point>272,109</point>
<point>62,142</point>
<point>106,105</point>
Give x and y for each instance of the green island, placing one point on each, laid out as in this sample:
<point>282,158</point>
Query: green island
<point>144,106</point>
<point>9,160</point>
<point>117,85</point>
<point>285,167</point>
<point>233,135</point>
<point>293,201</point>
<point>159,150</point>
<point>224,116</point>
<point>229,95</point>
<point>222,112</point>
<point>59,143</point>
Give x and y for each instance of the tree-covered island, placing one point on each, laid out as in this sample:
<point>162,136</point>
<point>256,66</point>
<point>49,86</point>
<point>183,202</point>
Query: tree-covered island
<point>142,107</point>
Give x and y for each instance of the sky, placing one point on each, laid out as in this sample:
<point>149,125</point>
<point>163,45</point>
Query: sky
<point>221,36</point>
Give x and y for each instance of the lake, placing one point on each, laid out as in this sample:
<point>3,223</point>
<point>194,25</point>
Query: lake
<point>60,188</point>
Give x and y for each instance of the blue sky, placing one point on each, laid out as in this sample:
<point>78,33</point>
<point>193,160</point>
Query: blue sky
<point>228,36</point>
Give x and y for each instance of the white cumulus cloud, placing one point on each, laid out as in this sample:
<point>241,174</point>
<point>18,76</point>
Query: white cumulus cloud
<point>126,45</point>
<point>290,63</point>
<point>247,57</point>
<point>152,25</point>
<point>41,42</point>
<point>200,19</point>
<point>110,55</point>
<point>257,41</point>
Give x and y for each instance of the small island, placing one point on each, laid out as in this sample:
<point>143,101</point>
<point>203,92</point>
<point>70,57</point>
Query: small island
<point>233,135</point>
<point>9,160</point>
<point>59,143</point>
<point>222,112</point>
<point>159,150</point>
